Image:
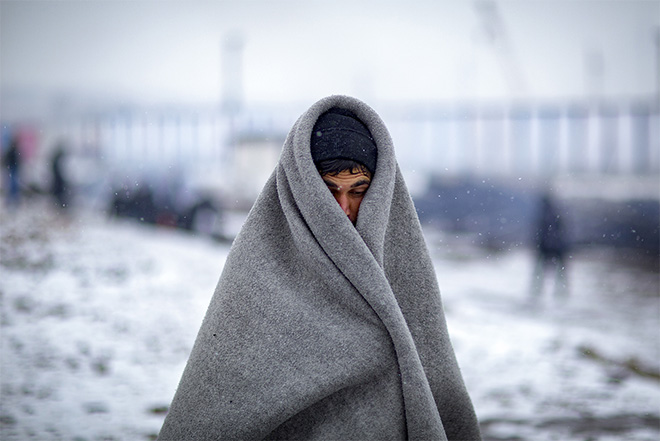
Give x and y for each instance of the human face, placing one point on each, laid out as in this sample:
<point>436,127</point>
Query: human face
<point>348,189</point>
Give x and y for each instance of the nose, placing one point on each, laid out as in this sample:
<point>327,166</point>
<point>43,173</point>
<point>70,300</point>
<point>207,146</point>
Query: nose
<point>343,203</point>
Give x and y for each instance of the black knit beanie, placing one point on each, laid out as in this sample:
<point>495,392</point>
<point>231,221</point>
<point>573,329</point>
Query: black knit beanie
<point>338,133</point>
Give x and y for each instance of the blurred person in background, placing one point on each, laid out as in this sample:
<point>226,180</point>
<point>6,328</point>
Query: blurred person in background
<point>327,321</point>
<point>11,164</point>
<point>551,249</point>
<point>60,188</point>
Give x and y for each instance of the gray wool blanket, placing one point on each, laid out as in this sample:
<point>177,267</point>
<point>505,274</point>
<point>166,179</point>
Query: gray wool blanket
<point>319,329</point>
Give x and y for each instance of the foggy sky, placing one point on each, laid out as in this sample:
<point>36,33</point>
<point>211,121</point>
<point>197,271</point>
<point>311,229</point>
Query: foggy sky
<point>156,51</point>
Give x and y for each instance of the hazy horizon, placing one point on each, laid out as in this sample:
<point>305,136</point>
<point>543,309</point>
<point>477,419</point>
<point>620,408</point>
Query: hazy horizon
<point>171,52</point>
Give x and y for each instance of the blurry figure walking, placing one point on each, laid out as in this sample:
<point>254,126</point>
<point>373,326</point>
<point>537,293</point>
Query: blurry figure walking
<point>59,186</point>
<point>11,162</point>
<point>551,249</point>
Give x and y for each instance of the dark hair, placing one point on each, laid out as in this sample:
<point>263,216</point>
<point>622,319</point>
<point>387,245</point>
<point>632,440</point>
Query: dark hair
<point>335,166</point>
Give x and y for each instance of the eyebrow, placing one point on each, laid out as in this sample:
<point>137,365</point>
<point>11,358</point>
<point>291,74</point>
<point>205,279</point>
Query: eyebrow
<point>357,184</point>
<point>361,182</point>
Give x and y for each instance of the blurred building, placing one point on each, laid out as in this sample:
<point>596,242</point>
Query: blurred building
<point>525,139</point>
<point>473,166</point>
<point>255,155</point>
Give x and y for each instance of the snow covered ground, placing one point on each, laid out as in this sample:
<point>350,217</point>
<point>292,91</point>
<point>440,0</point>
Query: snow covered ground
<point>98,317</point>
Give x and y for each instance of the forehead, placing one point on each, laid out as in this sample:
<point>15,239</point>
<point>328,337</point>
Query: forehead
<point>346,178</point>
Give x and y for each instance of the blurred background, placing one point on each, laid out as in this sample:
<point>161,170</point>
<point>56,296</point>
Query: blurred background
<point>189,102</point>
<point>506,116</point>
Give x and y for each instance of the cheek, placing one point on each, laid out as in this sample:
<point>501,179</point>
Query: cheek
<point>357,202</point>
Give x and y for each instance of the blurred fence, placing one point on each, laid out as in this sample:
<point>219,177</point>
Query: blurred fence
<point>522,139</point>
<point>472,167</point>
<point>542,139</point>
<point>502,139</point>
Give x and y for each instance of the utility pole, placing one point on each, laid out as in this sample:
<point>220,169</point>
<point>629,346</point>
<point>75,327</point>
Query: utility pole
<point>494,29</point>
<point>594,67</point>
<point>657,63</point>
<point>232,74</point>
<point>231,101</point>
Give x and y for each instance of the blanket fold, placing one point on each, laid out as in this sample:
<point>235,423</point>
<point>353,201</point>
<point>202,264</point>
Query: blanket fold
<point>319,329</point>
